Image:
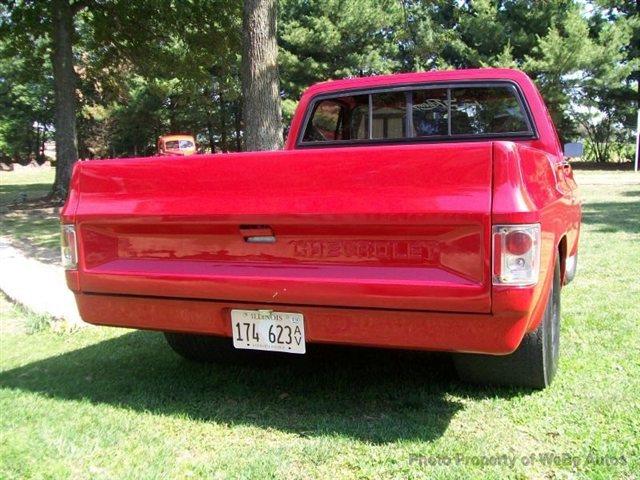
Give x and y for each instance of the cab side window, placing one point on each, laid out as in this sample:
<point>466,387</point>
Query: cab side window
<point>389,112</point>
<point>430,112</point>
<point>342,118</point>
<point>486,110</point>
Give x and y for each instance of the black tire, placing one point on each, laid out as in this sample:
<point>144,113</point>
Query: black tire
<point>210,349</point>
<point>533,364</point>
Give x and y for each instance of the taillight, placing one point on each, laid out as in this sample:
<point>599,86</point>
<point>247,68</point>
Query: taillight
<point>516,254</point>
<point>69,247</point>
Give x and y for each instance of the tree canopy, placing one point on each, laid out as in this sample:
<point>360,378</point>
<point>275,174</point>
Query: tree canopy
<point>146,67</point>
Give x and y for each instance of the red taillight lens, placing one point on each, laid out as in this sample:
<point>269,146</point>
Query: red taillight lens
<point>516,254</point>
<point>518,243</point>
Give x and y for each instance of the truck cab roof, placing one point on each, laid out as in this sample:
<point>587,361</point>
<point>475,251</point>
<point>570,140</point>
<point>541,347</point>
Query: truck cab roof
<point>470,74</point>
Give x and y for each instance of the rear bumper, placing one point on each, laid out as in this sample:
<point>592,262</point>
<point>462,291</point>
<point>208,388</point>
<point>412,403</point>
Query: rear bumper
<point>440,331</point>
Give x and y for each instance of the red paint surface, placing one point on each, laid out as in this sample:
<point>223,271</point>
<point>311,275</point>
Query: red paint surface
<point>377,245</point>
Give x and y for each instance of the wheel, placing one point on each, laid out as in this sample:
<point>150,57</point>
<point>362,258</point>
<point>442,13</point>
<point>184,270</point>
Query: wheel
<point>533,364</point>
<point>209,349</point>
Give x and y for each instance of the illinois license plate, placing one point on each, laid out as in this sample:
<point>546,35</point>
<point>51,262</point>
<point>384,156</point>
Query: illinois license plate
<point>268,330</point>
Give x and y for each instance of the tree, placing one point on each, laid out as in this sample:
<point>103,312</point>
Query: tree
<point>99,61</point>
<point>162,73</point>
<point>331,39</point>
<point>136,70</point>
<point>26,86</point>
<point>53,23</point>
<point>260,85</point>
<point>627,11</point>
<point>604,101</point>
<point>582,63</point>
<point>62,14</point>
<point>26,103</point>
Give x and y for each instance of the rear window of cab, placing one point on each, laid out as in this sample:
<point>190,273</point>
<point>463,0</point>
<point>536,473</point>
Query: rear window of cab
<point>453,112</point>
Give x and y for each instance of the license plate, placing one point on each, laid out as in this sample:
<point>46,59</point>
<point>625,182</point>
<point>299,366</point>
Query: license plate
<point>268,330</point>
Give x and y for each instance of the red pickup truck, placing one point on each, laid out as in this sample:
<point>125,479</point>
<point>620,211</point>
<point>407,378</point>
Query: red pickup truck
<point>430,211</point>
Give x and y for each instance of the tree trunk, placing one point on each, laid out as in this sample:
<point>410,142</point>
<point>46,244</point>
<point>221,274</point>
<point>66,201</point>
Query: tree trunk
<point>260,88</point>
<point>65,99</point>
<point>237,112</point>
<point>31,144</point>
<point>43,140</point>
<point>36,148</point>
<point>223,124</point>
<point>212,141</point>
<point>172,115</point>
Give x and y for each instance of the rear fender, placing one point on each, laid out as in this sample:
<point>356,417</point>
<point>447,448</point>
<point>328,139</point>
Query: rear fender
<point>524,192</point>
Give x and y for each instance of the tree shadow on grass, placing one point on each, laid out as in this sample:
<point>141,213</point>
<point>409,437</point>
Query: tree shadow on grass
<point>377,396</point>
<point>613,216</point>
<point>11,193</point>
<point>36,232</point>
<point>632,193</point>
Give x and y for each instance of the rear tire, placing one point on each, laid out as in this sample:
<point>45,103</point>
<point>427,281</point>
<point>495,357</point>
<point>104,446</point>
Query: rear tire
<point>533,364</point>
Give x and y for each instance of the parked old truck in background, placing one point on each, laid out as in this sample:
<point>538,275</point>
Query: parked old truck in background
<point>431,211</point>
<point>176,145</point>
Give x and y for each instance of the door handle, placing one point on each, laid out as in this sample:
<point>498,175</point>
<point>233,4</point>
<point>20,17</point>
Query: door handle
<point>260,239</point>
<point>257,234</point>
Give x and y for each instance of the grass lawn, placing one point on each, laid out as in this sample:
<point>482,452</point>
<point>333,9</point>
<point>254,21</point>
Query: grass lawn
<point>32,228</point>
<point>31,181</point>
<point>108,403</point>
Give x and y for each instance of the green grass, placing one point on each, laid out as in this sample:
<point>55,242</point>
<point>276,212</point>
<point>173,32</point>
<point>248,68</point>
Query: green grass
<point>107,403</point>
<point>33,228</point>
<point>15,319</point>
<point>32,182</point>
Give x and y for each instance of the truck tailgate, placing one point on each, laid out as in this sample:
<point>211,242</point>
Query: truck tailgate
<point>401,227</point>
